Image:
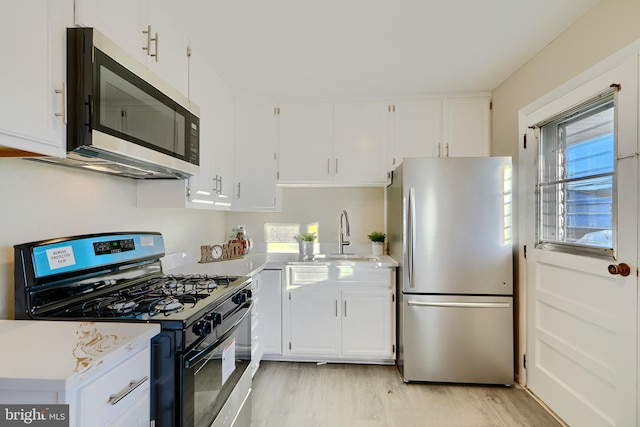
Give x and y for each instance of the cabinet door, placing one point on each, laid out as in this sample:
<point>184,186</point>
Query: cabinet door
<point>202,187</point>
<point>271,311</point>
<point>33,71</point>
<point>366,323</point>
<point>418,129</point>
<point>315,320</point>
<point>466,127</point>
<point>306,141</point>
<point>127,23</point>
<point>221,125</point>
<point>122,21</point>
<point>361,134</point>
<point>168,57</point>
<point>255,161</point>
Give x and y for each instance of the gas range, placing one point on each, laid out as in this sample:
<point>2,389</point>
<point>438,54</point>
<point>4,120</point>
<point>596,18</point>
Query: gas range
<point>114,277</point>
<point>118,277</point>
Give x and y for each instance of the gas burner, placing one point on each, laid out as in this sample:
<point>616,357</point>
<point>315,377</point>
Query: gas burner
<point>168,305</point>
<point>122,306</point>
<point>207,285</point>
<point>171,283</point>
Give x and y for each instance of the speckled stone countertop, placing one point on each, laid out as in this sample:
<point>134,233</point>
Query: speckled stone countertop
<point>56,356</point>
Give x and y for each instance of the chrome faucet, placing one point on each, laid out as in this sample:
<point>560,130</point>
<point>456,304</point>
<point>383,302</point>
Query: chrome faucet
<point>341,242</point>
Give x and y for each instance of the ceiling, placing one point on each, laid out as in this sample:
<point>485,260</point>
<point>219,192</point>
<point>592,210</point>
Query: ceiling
<point>373,48</point>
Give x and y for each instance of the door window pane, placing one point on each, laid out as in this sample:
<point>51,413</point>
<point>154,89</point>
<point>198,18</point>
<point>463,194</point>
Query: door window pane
<point>576,171</point>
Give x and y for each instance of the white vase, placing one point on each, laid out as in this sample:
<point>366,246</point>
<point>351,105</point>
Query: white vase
<point>377,248</point>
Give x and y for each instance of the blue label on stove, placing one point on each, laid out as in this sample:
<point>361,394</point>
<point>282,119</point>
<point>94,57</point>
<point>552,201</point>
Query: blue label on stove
<point>90,252</point>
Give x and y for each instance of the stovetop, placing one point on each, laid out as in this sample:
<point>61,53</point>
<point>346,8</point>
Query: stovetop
<point>170,297</point>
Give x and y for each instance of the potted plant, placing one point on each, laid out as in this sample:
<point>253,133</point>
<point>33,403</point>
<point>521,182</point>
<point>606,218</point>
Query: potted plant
<point>377,242</point>
<point>305,243</point>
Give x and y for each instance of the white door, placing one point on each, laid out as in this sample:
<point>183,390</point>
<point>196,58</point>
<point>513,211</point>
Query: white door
<point>582,323</point>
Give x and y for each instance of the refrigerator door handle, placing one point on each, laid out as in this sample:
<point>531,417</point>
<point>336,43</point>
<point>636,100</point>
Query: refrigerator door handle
<point>460,304</point>
<point>411,211</point>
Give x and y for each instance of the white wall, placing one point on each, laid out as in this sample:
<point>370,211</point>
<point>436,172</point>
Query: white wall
<point>41,201</point>
<point>609,27</point>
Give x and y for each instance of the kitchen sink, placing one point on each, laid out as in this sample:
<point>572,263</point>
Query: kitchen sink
<point>349,257</point>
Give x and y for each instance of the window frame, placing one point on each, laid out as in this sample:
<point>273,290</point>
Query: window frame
<point>589,104</point>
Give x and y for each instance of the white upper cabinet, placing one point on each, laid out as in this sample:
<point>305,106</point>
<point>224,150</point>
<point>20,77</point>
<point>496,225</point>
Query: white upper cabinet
<point>255,163</point>
<point>306,142</point>
<point>211,188</point>
<point>145,30</point>
<point>361,132</point>
<point>32,106</point>
<point>435,127</point>
<point>418,129</point>
<point>213,185</point>
<point>467,127</point>
<point>343,143</point>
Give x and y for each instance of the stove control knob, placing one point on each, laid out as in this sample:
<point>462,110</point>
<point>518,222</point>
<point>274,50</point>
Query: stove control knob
<point>202,328</point>
<point>239,298</point>
<point>214,318</point>
<point>247,292</point>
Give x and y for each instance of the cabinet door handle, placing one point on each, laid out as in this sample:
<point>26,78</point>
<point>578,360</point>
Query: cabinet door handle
<point>336,165</point>
<point>63,92</point>
<point>439,150</point>
<point>148,33</point>
<point>336,308</point>
<point>150,39</point>
<point>115,398</point>
<point>446,149</point>
<point>345,308</point>
<point>156,41</point>
<point>328,166</point>
<point>239,190</point>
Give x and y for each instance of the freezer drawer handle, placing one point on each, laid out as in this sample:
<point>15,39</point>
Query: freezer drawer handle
<point>461,304</point>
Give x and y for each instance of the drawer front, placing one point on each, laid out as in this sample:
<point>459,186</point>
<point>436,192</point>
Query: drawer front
<point>109,396</point>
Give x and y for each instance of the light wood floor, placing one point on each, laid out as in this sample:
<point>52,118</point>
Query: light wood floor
<point>309,395</point>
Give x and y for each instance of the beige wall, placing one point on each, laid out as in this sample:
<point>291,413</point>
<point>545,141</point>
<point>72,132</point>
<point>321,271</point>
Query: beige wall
<point>365,207</point>
<point>609,27</point>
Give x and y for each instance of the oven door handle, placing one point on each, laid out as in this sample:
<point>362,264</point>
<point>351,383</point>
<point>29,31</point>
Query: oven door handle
<point>195,355</point>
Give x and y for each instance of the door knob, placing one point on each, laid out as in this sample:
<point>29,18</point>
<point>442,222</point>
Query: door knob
<point>621,269</point>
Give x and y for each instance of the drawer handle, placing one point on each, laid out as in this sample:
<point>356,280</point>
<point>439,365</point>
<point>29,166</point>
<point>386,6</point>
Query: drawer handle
<point>115,398</point>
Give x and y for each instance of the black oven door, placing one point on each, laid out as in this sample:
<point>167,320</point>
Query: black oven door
<point>211,371</point>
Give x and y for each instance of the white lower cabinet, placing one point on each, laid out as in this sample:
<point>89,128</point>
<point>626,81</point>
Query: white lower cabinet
<point>366,320</point>
<point>271,312</point>
<point>339,313</point>
<point>120,397</point>
<point>314,320</point>
<point>101,370</point>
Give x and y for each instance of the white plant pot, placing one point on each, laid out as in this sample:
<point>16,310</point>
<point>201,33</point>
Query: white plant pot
<point>306,249</point>
<point>377,248</point>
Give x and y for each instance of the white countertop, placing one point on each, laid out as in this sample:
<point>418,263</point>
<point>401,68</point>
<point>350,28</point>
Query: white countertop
<point>254,262</point>
<point>57,356</point>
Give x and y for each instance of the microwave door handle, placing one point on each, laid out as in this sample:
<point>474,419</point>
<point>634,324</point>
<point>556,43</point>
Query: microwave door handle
<point>195,355</point>
<point>89,121</point>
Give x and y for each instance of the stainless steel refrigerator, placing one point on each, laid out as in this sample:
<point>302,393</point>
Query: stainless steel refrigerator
<point>449,226</point>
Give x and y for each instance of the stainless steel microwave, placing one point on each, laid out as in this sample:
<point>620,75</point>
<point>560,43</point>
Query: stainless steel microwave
<point>122,119</point>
